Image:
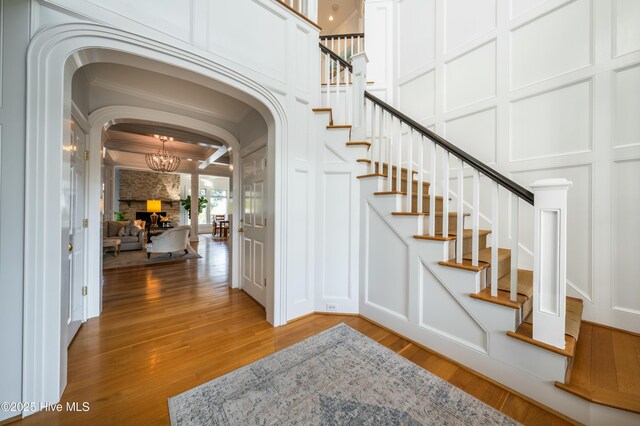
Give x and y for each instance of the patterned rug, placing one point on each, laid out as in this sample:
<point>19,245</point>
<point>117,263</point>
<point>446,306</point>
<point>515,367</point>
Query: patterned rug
<point>336,377</point>
<point>139,258</point>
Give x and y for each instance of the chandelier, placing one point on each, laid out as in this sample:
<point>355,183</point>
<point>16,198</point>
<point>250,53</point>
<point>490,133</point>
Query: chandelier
<point>162,161</point>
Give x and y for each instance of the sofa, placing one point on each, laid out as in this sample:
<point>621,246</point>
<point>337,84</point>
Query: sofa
<point>131,233</point>
<point>173,240</point>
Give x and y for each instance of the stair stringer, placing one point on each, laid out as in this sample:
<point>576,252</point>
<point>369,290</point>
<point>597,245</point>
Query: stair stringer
<point>525,368</point>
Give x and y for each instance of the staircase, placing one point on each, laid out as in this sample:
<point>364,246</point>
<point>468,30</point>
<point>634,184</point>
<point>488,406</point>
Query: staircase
<point>525,333</point>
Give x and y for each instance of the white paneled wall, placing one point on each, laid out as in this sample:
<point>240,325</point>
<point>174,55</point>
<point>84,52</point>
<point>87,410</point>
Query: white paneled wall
<point>538,88</point>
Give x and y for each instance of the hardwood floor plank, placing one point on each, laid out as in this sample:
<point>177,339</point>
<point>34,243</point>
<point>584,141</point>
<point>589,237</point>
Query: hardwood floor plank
<point>603,370</point>
<point>167,328</point>
<point>627,362</point>
<point>581,370</point>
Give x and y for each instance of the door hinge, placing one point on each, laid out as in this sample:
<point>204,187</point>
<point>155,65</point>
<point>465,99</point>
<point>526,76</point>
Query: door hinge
<point>84,290</point>
<point>86,155</point>
<point>265,282</point>
<point>265,222</point>
<point>85,223</point>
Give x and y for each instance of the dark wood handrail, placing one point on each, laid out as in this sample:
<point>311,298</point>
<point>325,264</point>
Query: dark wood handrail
<point>330,36</point>
<point>283,3</point>
<point>502,180</point>
<point>335,56</point>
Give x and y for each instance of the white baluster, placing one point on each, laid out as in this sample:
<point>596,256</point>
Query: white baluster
<point>419,206</point>
<point>390,139</point>
<point>399,157</point>
<point>475,226</point>
<point>433,190</point>
<point>380,141</point>
<point>410,171</point>
<point>327,78</point>
<point>374,147</point>
<point>338,78</point>
<point>514,247</point>
<point>460,206</point>
<point>351,47</point>
<point>495,237</point>
<point>445,193</point>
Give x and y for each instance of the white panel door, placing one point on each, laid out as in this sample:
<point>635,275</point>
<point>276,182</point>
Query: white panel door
<point>77,234</point>
<point>254,187</point>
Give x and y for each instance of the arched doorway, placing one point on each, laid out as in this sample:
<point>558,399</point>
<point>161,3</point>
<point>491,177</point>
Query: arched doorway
<point>54,55</point>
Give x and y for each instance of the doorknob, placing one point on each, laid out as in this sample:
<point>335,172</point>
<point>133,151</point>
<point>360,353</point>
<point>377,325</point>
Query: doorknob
<point>240,229</point>
<point>70,247</point>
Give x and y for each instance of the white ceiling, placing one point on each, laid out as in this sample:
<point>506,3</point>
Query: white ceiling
<point>127,143</point>
<point>345,9</point>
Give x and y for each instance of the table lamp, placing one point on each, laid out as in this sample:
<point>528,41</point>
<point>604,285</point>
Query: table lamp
<point>154,206</point>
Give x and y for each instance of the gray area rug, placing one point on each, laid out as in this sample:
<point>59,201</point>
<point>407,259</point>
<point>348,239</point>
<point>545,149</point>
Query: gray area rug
<point>139,258</point>
<point>333,378</point>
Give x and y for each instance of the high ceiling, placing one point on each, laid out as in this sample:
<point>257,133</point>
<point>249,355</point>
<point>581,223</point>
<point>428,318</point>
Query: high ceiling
<point>341,10</point>
<point>127,141</point>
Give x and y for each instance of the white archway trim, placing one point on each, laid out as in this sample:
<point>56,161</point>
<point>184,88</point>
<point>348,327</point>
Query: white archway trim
<point>99,120</point>
<point>48,104</point>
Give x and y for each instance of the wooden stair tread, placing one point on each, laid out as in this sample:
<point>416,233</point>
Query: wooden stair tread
<point>363,160</point>
<point>606,367</point>
<point>339,126</point>
<point>367,144</point>
<point>370,175</point>
<point>504,298</point>
<point>525,334</point>
<point>466,265</point>
<point>573,317</point>
<point>393,168</point>
<point>389,193</point>
<point>467,233</point>
<point>484,255</point>
<point>329,110</point>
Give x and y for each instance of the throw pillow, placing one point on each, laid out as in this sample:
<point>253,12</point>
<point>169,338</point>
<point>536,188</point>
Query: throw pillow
<point>127,229</point>
<point>135,229</point>
<point>113,228</point>
<point>121,232</point>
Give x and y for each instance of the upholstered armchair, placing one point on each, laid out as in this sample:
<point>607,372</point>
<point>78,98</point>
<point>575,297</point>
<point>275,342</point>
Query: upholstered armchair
<point>175,239</point>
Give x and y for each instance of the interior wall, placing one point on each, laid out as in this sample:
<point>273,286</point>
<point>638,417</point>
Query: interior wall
<point>14,25</point>
<point>538,89</point>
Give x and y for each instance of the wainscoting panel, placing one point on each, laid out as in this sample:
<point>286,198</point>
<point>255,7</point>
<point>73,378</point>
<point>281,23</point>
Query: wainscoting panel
<point>167,16</point>
<point>268,51</point>
<point>302,59</point>
<point>439,305</point>
<point>387,284</point>
<point>626,15</point>
<point>557,122</point>
<point>416,51</point>
<point>424,106</point>
<point>553,44</point>
<point>460,90</point>
<point>476,133</point>
<point>335,235</point>
<point>626,104</point>
<point>299,274</point>
<point>466,20</point>
<point>625,244</point>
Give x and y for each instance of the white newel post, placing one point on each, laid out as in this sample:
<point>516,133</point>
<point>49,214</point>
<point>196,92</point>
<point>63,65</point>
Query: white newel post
<point>550,260</point>
<point>359,63</point>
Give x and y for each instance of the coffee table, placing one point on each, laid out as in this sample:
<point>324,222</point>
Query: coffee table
<point>111,243</point>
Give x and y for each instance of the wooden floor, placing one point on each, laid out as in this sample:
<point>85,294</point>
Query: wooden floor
<point>606,367</point>
<point>169,327</point>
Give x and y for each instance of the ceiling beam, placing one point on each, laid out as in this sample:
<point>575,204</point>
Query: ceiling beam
<point>213,157</point>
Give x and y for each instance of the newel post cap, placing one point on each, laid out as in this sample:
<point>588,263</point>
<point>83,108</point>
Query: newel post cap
<point>359,57</point>
<point>551,184</point>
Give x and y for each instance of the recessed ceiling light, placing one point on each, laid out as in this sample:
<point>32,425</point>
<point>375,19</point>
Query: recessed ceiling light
<point>189,159</point>
<point>331,17</point>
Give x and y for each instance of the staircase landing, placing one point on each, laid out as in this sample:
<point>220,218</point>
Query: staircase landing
<point>606,368</point>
